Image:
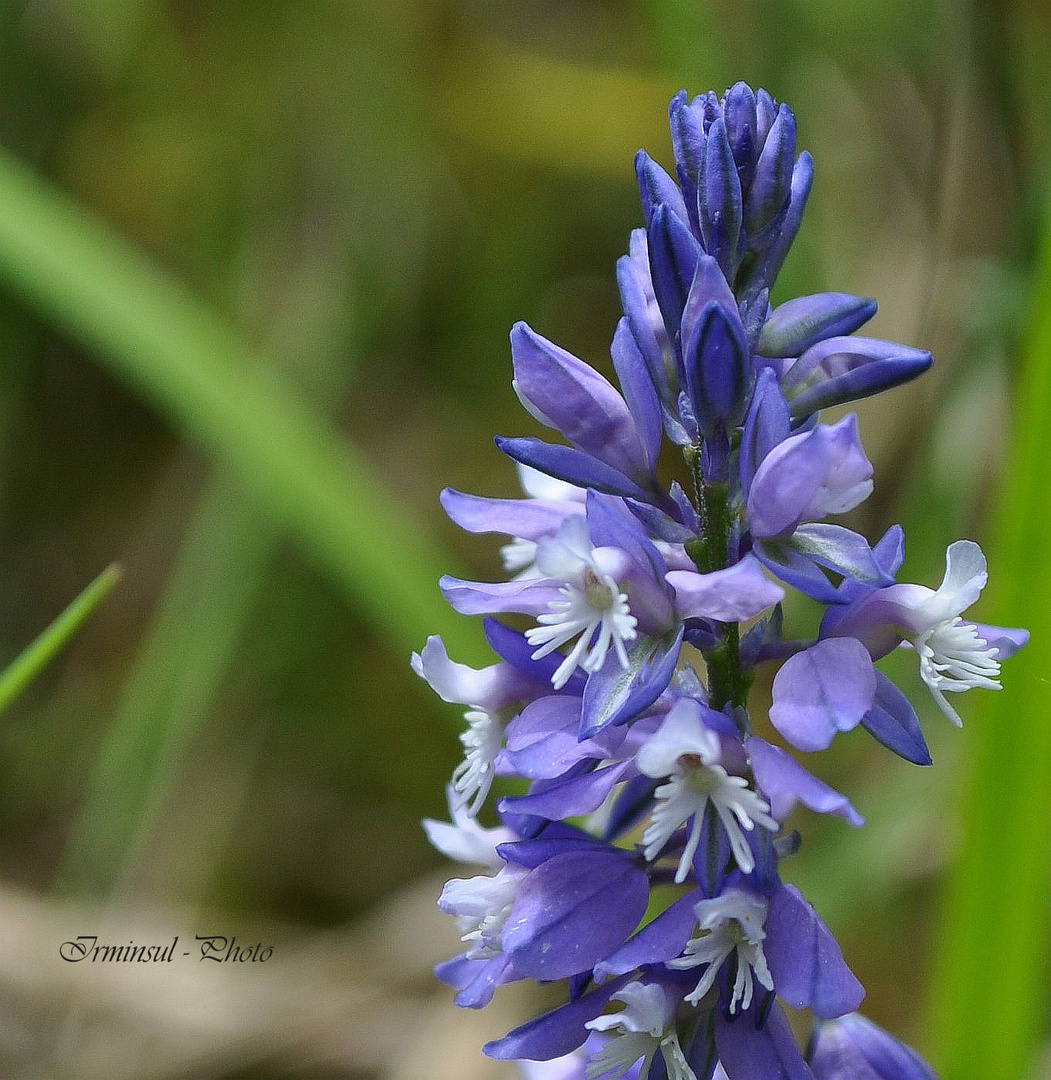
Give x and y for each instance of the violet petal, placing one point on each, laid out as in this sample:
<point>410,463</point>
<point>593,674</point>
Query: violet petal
<point>804,959</point>
<point>823,690</point>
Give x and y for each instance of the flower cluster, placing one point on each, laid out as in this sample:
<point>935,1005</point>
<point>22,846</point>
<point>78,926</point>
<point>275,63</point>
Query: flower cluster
<point>641,863</point>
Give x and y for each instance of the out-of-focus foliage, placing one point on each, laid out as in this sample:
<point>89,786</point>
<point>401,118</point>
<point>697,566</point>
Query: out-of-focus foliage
<point>310,226</point>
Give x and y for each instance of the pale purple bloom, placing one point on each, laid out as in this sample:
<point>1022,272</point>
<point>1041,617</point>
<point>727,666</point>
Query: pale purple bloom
<point>954,655</point>
<point>784,783</point>
<point>806,478</point>
<point>826,689</point>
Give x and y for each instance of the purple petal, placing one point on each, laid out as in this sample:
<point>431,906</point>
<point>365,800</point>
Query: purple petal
<point>717,367</point>
<point>707,287</point>
<point>660,525</point>
<point>574,466</point>
<point>893,722</point>
<point>766,425</point>
<point>840,550</point>
<point>570,798</point>
<point>542,742</point>
<point>630,806</point>
<point>766,1052</point>
<point>847,368</point>
<point>765,271</point>
<point>804,959</point>
<point>529,596</point>
<point>719,200</point>
<point>476,980</point>
<point>741,128</point>
<point>647,324</point>
<point>739,592</point>
<point>611,524</point>
<point>785,782</point>
<point>673,252</point>
<point>614,695</point>
<point>796,569</point>
<point>527,518</point>
<point>853,1048</point>
<point>773,173</point>
<point>1004,639</point>
<point>662,939</point>
<point>511,646</point>
<point>539,719</point>
<point>572,397</point>
<point>824,689</point>
<point>556,839</point>
<point>639,391</point>
<point>657,188</point>
<point>798,324</point>
<point>888,554</point>
<point>808,476</point>
<point>687,138</point>
<point>572,911</point>
<point>557,1032</point>
<point>489,688</point>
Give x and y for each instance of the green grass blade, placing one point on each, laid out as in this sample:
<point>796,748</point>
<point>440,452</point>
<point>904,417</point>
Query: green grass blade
<point>221,572</point>
<point>989,993</point>
<point>196,370</point>
<point>35,657</point>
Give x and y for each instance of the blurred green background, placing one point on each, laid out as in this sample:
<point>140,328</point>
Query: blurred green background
<point>258,262</point>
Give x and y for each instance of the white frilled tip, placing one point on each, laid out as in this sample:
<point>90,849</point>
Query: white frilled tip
<point>966,573</point>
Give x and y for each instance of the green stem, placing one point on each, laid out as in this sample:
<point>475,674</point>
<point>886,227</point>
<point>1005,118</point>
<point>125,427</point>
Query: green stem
<point>728,683</point>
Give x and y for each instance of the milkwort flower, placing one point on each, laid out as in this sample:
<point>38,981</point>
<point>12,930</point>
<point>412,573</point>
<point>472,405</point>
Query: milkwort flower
<point>640,859</point>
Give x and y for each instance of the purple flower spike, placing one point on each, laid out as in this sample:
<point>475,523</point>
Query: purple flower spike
<point>853,1048</point>
<point>624,708</point>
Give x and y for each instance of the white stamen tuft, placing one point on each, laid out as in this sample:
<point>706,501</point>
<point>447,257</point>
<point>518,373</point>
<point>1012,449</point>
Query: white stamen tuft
<point>597,614</point>
<point>482,741</point>
<point>732,921</point>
